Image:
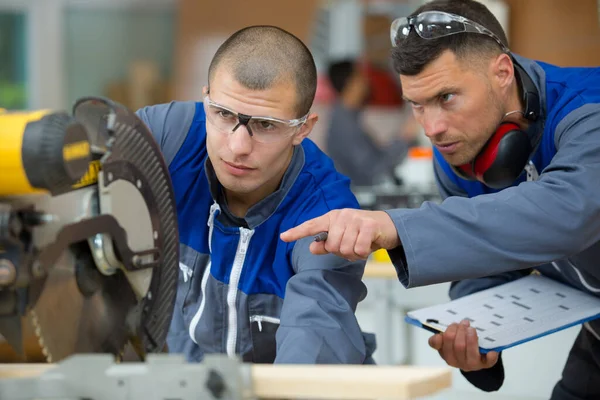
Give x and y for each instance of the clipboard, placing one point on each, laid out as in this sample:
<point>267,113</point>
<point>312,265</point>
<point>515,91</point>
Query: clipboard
<point>512,313</point>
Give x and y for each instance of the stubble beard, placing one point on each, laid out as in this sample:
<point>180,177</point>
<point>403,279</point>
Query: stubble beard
<point>472,150</point>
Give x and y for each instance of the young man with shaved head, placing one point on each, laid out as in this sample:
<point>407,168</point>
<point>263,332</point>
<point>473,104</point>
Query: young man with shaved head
<point>243,172</point>
<point>517,158</point>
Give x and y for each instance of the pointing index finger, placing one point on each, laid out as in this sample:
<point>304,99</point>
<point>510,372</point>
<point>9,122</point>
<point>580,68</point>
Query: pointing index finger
<point>313,227</point>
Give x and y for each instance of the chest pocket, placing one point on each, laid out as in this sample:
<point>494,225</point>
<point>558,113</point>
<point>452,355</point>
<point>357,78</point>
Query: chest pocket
<point>263,331</point>
<point>194,269</point>
<point>188,258</point>
<point>263,314</point>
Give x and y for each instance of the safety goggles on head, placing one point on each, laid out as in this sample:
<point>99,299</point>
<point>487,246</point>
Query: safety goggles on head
<point>261,129</point>
<point>436,24</point>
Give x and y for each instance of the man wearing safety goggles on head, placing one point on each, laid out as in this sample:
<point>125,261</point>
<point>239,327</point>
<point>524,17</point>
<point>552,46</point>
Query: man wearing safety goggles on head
<point>243,171</point>
<point>517,157</point>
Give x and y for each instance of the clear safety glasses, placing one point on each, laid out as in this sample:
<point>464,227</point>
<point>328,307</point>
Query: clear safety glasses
<point>436,24</point>
<point>261,129</point>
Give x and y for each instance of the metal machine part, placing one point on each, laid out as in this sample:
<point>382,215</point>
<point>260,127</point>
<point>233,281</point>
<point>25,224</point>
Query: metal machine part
<point>98,377</point>
<point>94,268</point>
<point>41,151</point>
<point>124,200</point>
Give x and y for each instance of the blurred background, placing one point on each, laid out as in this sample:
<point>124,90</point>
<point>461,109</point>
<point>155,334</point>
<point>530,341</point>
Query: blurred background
<point>141,52</point>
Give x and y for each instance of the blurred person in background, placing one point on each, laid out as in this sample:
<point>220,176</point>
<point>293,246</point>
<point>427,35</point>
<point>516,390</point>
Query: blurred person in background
<point>354,151</point>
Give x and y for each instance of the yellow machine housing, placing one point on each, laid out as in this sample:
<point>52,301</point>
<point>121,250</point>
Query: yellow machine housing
<point>41,151</point>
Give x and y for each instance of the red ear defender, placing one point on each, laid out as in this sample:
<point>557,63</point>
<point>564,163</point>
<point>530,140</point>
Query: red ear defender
<point>501,160</point>
<point>507,152</point>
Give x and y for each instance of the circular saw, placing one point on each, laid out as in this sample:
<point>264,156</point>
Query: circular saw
<point>89,245</point>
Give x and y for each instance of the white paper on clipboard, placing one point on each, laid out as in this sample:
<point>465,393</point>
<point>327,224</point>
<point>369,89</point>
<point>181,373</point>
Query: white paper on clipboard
<point>513,313</point>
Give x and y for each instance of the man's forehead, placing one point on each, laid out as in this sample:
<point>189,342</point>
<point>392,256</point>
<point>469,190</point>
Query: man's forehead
<point>278,100</point>
<point>421,89</point>
<point>433,80</point>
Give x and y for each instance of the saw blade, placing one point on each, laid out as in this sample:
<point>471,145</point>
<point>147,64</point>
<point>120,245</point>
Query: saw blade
<point>80,310</point>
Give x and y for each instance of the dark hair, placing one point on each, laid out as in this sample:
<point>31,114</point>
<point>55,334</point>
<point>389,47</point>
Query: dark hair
<point>339,74</point>
<point>413,54</point>
<point>261,56</point>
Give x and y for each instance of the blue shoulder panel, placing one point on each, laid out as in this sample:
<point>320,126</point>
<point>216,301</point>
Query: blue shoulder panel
<point>191,185</point>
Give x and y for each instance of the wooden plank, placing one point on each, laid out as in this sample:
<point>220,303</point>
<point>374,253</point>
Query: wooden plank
<point>318,381</point>
<point>348,381</point>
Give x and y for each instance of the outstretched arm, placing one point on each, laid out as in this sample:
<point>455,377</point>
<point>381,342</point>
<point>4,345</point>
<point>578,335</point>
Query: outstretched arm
<point>461,238</point>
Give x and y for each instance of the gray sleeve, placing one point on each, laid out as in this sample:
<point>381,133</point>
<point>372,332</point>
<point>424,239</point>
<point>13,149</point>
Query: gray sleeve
<point>464,287</point>
<point>517,228</point>
<point>318,322</point>
<point>169,124</point>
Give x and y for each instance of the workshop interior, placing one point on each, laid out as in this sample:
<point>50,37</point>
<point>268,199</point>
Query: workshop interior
<point>83,186</point>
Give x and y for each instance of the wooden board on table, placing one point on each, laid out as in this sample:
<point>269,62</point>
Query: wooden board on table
<point>348,381</point>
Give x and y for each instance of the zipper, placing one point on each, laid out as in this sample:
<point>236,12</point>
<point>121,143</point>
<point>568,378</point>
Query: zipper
<point>198,314</point>
<point>211,223</point>
<point>263,318</point>
<point>234,279</point>
<point>532,173</point>
<point>187,271</point>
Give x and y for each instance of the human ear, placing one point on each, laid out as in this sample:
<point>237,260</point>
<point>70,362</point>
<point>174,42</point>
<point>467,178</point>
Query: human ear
<point>305,129</point>
<point>502,70</point>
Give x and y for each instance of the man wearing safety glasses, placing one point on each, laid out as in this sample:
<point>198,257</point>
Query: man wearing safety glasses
<point>243,172</point>
<point>517,157</point>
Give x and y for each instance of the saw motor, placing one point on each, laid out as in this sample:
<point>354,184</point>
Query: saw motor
<point>89,245</point>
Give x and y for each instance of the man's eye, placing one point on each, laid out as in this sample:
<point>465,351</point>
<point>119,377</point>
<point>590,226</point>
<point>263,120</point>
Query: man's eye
<point>266,125</point>
<point>224,114</point>
<point>416,106</point>
<point>447,97</point>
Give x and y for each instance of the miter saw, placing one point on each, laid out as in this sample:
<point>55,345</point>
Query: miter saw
<point>89,252</point>
<point>89,244</point>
